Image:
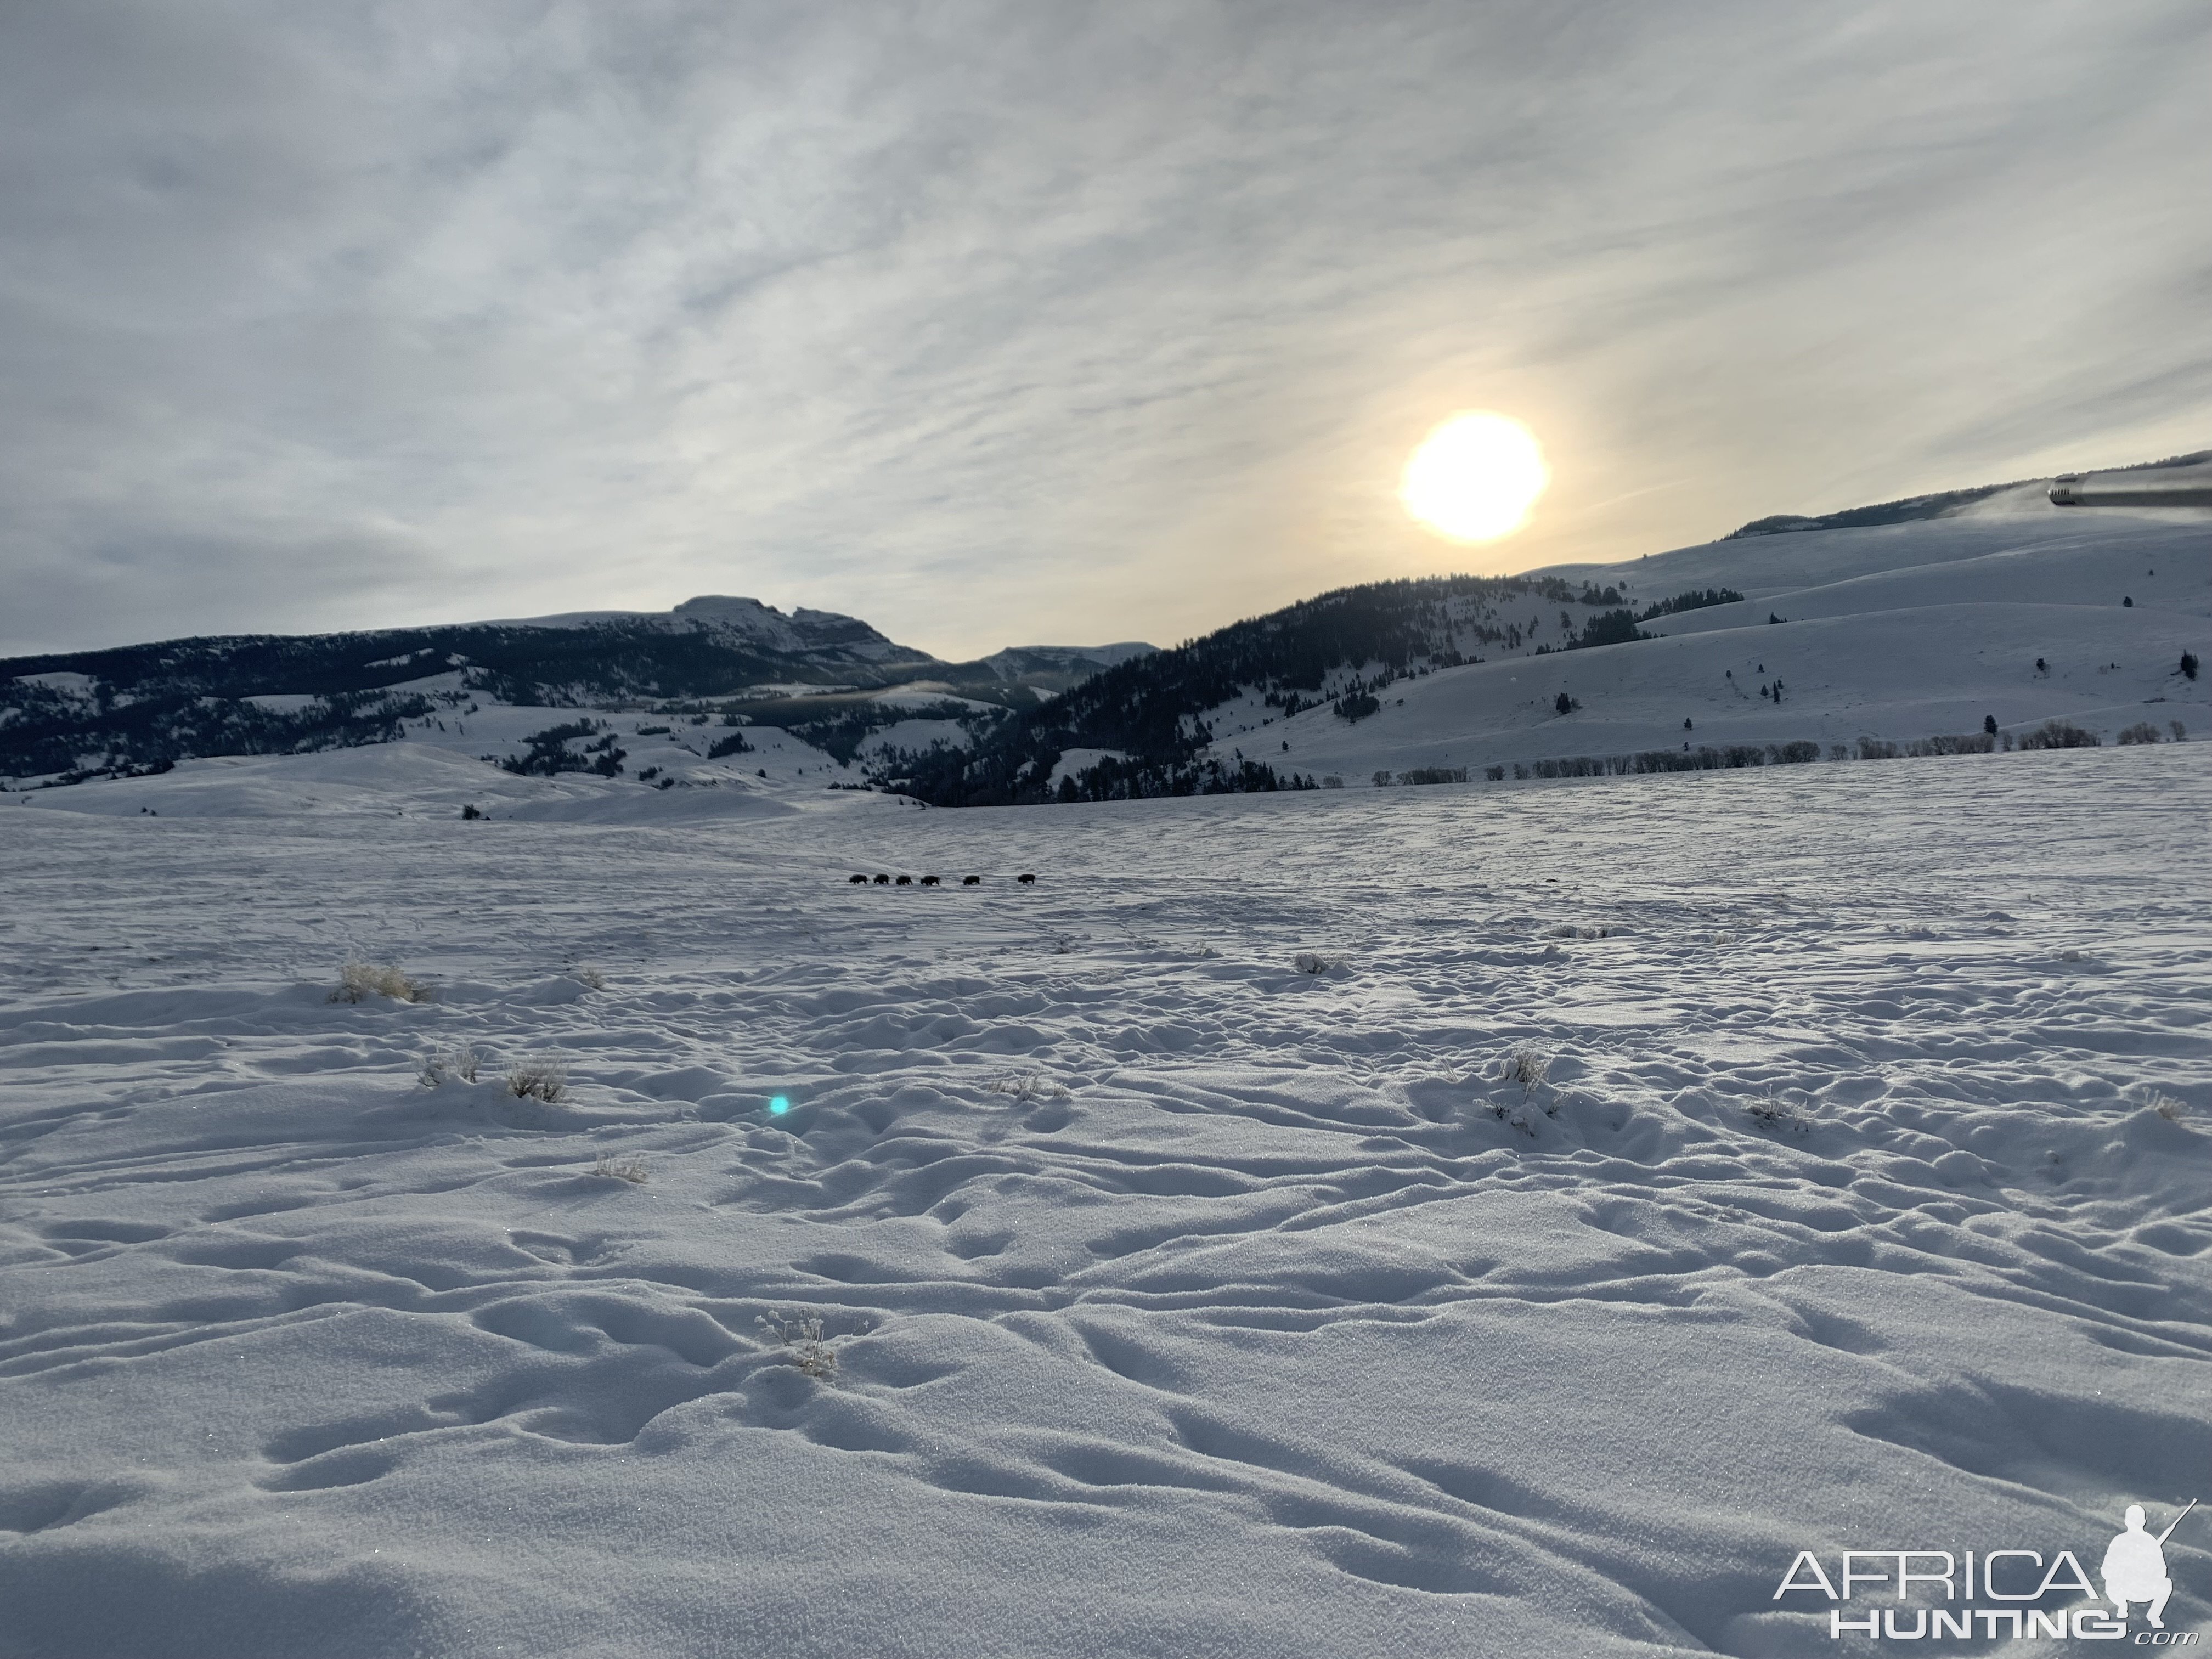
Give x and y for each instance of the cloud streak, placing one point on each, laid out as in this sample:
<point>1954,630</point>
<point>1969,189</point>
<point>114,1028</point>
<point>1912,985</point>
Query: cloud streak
<point>999,324</point>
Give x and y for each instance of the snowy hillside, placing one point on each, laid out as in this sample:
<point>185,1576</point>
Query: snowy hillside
<point>1492,1220</point>
<point>611,767</point>
<point>2005,608</point>
<point>1895,632</point>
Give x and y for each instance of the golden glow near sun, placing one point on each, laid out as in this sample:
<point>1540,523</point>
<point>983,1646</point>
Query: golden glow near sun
<point>1475,477</point>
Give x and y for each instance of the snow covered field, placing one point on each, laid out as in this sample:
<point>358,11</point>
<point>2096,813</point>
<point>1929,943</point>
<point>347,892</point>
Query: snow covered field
<point>1854,1192</point>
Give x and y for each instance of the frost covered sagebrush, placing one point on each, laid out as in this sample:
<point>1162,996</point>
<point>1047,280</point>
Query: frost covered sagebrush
<point>2167,1107</point>
<point>1769,1111</point>
<point>803,1336</point>
<point>1311,962</point>
<point>1527,1067</point>
<point>631,1170</point>
<point>1027,1085</point>
<point>459,1062</point>
<point>359,981</point>
<point>539,1079</point>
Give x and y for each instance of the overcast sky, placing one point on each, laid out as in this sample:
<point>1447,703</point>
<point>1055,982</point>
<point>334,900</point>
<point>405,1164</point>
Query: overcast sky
<point>1040,322</point>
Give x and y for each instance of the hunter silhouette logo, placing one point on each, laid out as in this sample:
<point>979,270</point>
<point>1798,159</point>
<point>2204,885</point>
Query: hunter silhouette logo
<point>2135,1567</point>
<point>2134,1573</point>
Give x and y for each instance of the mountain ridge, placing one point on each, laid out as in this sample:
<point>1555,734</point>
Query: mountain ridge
<point>2019,581</point>
<point>130,707</point>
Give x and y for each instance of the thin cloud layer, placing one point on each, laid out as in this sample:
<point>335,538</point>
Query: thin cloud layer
<point>1000,324</point>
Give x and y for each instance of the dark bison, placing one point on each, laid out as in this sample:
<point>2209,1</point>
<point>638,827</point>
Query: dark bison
<point>929,881</point>
<point>883,881</point>
<point>858,881</point>
<point>906,881</point>
<point>972,881</point>
<point>1026,879</point>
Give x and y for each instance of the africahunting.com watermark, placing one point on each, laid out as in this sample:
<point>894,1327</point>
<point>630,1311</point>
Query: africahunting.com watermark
<point>1975,1587</point>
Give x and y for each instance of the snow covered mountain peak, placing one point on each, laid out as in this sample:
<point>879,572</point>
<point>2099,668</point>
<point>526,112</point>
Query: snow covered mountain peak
<point>741,615</point>
<point>797,634</point>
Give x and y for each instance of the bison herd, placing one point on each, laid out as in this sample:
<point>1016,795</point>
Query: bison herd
<point>1025,878</point>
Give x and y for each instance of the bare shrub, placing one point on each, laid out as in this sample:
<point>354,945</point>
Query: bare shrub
<point>542,1079</point>
<point>1311,962</point>
<point>1770,1112</point>
<point>1527,1067</point>
<point>1570,930</point>
<point>459,1063</point>
<point>2141,732</point>
<point>1026,1086</point>
<point>590,978</point>
<point>2180,731</point>
<point>2059,734</point>
<point>2167,1107</point>
<point>803,1336</point>
<point>359,981</point>
<point>631,1170</point>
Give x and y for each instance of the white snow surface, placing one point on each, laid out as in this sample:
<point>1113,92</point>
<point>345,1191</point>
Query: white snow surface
<point>1185,1301</point>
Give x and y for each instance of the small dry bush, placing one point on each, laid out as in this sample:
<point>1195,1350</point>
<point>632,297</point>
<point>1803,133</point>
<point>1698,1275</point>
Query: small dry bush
<point>590,978</point>
<point>1027,1085</point>
<point>1527,1066</point>
<point>1570,930</point>
<point>1311,962</point>
<point>803,1336</point>
<point>2167,1107</point>
<point>1772,1112</point>
<point>459,1063</point>
<point>631,1170</point>
<point>2141,732</point>
<point>359,981</point>
<point>539,1079</point>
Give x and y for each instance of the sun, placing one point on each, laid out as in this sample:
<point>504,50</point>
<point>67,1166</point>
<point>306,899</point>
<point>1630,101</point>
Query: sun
<point>1475,477</point>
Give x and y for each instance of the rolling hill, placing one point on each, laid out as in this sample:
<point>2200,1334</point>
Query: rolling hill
<point>1978,606</point>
